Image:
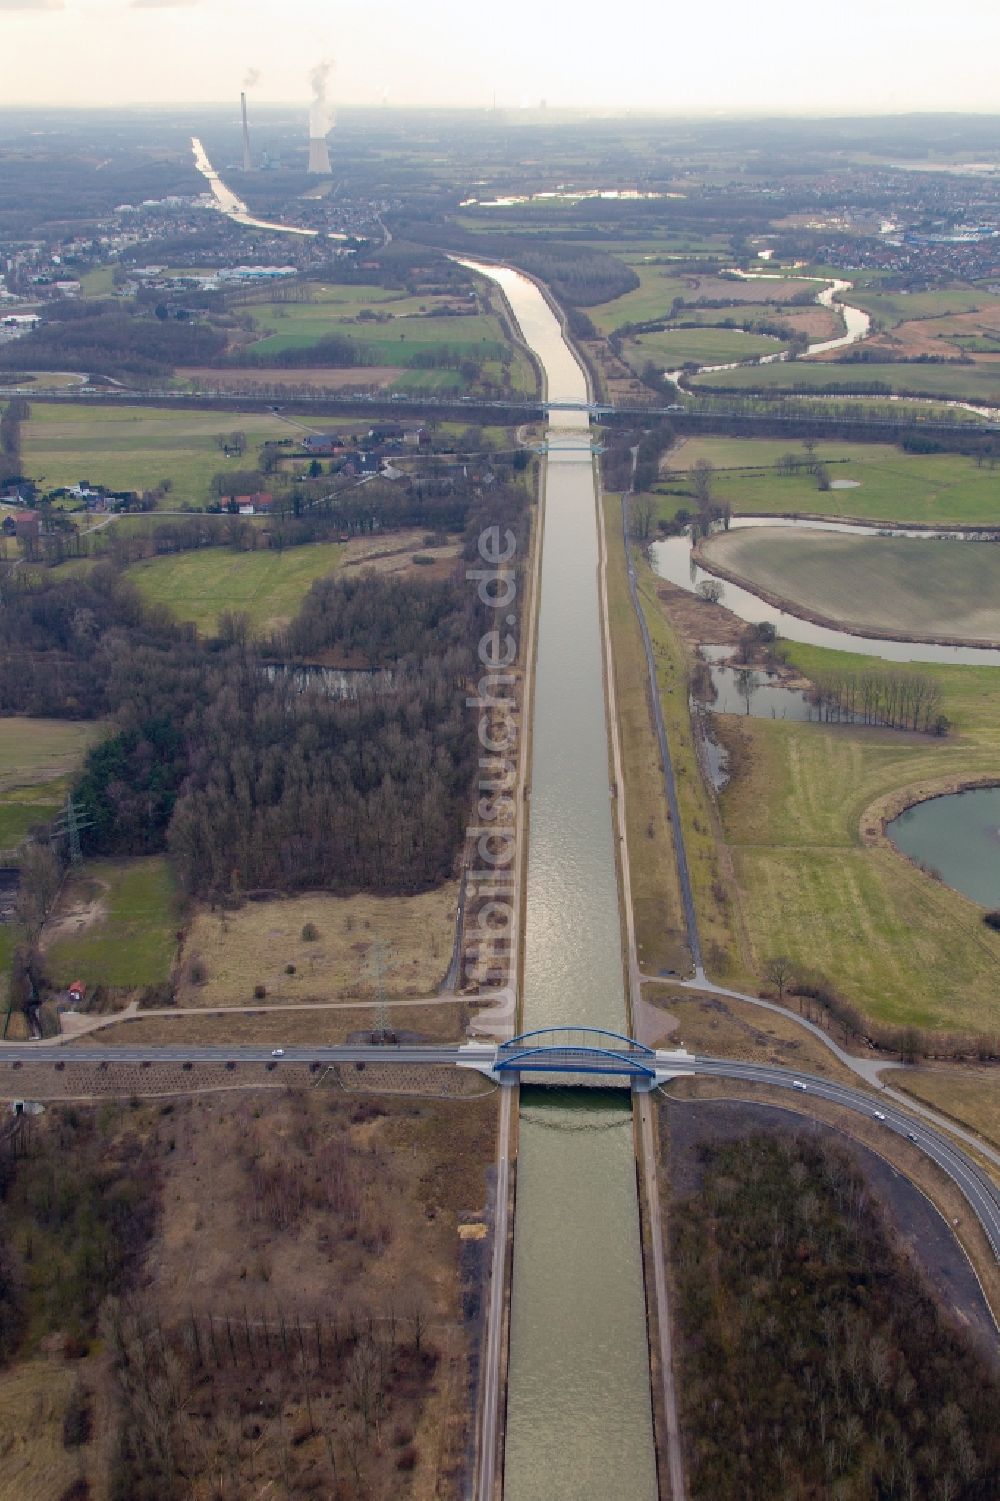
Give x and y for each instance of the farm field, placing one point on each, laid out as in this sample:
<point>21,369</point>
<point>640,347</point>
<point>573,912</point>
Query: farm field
<point>890,485</point>
<point>892,308</point>
<point>703,346</point>
<point>433,380</point>
<point>114,924</point>
<point>405,329</point>
<point>320,377</point>
<point>23,807</point>
<point>38,750</point>
<point>268,586</point>
<point>329,307</point>
<point>660,285</point>
<point>137,448</point>
<point>980,383</point>
<point>815,322</point>
<point>394,342</point>
<point>900,945</point>
<point>256,944</point>
<point>98,283</point>
<point>913,586</point>
<point>58,380</point>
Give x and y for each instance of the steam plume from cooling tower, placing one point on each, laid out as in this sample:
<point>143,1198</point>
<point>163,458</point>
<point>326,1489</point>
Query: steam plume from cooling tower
<point>320,119</point>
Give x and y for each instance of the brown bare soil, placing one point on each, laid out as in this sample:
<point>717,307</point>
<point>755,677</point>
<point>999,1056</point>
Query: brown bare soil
<point>34,1464</point>
<point>80,905</point>
<point>817,323</point>
<point>936,336</point>
<point>237,951</point>
<point>697,620</point>
<point>334,380</point>
<point>439,1021</point>
<point>727,1028</point>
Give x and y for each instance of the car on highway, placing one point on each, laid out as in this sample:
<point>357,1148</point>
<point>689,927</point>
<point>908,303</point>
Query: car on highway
<point>798,1084</point>
<point>879,1115</point>
<point>277,1052</point>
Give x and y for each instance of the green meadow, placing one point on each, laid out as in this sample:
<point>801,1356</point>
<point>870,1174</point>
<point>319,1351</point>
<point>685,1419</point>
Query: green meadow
<point>268,586</point>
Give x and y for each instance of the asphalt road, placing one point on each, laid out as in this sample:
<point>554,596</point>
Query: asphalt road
<point>981,1193</point>
<point>979,1189</point>
<point>181,1053</point>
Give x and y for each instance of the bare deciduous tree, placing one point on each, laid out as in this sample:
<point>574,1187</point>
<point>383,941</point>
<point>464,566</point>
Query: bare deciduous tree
<point>778,971</point>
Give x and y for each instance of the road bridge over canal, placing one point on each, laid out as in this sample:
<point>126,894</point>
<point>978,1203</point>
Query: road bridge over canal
<point>567,1055</point>
<point>589,1055</point>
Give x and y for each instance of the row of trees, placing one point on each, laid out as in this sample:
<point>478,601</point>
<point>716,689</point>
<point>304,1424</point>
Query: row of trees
<point>812,995</point>
<point>14,413</point>
<point>895,700</point>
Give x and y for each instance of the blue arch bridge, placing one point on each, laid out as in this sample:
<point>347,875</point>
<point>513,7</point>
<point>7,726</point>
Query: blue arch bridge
<point>584,1055</point>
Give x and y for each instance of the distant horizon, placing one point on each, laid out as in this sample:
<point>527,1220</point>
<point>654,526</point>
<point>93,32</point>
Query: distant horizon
<point>583,112</point>
<point>868,60</point>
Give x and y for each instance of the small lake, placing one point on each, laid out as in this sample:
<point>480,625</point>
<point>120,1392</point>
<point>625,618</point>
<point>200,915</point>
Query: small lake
<point>959,837</point>
<point>752,691</point>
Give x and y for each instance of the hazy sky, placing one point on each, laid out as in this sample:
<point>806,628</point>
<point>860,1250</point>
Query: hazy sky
<point>722,55</point>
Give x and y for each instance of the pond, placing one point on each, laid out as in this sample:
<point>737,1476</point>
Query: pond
<point>958,836</point>
<point>754,691</point>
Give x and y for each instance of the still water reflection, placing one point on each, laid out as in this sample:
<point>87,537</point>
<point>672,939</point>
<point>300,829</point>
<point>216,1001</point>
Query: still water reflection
<point>959,837</point>
<point>579,1424</point>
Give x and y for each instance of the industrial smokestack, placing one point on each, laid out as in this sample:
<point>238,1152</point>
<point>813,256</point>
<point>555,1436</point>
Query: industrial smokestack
<point>319,122</point>
<point>247,164</point>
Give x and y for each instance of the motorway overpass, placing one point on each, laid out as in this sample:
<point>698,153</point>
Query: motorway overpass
<point>557,1060</point>
<point>706,414</point>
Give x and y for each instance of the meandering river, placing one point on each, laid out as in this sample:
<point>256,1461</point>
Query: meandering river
<point>673,559</point>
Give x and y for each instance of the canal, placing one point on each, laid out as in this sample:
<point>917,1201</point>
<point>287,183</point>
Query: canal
<point>579,1422</point>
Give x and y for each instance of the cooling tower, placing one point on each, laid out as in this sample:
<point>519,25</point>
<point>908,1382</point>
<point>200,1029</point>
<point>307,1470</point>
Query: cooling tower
<point>319,156</point>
